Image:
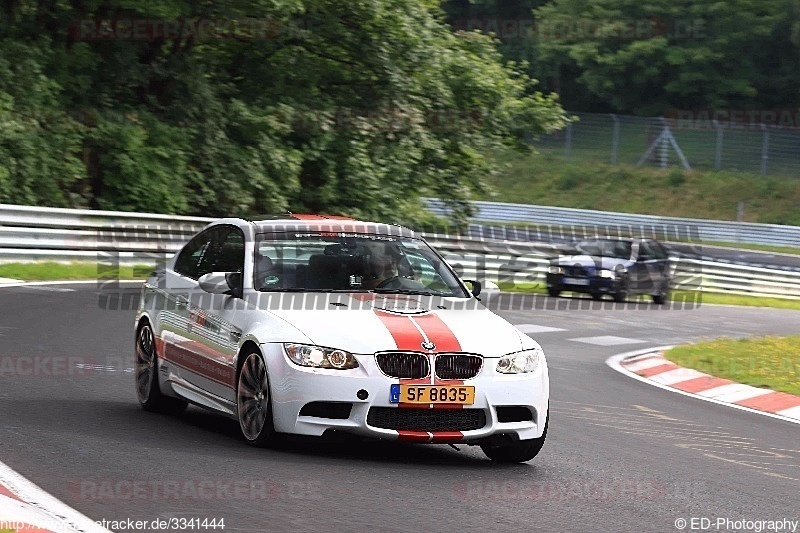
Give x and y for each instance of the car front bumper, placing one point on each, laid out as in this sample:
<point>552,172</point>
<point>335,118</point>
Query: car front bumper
<point>293,387</point>
<point>589,285</point>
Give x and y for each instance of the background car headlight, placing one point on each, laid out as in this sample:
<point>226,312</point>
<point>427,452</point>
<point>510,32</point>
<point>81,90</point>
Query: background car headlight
<point>555,269</point>
<point>319,357</point>
<point>610,274</point>
<point>519,362</point>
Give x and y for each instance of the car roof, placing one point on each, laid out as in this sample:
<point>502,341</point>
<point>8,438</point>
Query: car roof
<point>292,222</point>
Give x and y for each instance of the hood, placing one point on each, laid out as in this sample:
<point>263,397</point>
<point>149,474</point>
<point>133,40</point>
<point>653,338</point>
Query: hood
<point>593,262</point>
<point>367,323</point>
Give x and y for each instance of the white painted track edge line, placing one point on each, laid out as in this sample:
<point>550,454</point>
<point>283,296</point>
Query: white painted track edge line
<point>36,497</point>
<point>70,282</point>
<point>615,362</point>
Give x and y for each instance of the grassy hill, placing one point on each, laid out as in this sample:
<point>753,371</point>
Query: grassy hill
<point>546,179</point>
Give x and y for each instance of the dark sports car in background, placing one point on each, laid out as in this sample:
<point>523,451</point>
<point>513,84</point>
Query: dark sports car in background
<point>615,266</point>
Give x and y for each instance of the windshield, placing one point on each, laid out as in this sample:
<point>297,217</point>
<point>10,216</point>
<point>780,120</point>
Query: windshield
<point>350,262</point>
<point>605,248</point>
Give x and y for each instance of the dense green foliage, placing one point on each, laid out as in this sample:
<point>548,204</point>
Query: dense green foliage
<point>340,107</point>
<point>648,57</point>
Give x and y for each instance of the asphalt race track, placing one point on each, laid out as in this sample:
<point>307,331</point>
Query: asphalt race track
<point>620,456</point>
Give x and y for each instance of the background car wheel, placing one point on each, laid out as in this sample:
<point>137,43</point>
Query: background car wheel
<point>145,371</point>
<point>597,296</point>
<point>517,452</point>
<point>253,402</point>
<point>622,291</point>
<point>553,293</point>
<point>662,297</point>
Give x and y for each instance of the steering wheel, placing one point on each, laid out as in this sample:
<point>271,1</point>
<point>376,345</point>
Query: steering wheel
<point>385,283</point>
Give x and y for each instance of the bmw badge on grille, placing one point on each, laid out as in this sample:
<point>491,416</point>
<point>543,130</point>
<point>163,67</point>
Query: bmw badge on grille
<point>428,345</point>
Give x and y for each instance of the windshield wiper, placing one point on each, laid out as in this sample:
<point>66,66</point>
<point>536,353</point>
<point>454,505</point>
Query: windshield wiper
<point>408,291</point>
<point>303,289</point>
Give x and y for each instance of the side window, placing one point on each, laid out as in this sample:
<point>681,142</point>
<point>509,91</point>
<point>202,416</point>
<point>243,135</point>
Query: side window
<point>659,250</point>
<point>225,253</point>
<point>230,256</point>
<point>645,251</point>
<point>193,254</point>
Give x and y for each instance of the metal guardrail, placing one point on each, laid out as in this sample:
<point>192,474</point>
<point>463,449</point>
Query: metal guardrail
<point>37,234</point>
<point>561,219</point>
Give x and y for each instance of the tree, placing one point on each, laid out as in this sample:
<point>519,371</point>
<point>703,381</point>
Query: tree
<point>652,56</point>
<point>359,108</point>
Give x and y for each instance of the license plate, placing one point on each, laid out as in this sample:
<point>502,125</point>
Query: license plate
<point>575,281</point>
<point>427,394</point>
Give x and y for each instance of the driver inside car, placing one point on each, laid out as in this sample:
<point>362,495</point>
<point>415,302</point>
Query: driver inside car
<point>382,266</point>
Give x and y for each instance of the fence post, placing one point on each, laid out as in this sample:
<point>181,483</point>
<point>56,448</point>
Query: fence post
<point>764,149</point>
<point>663,152</point>
<point>568,142</point>
<point>615,140</point>
<point>718,154</point>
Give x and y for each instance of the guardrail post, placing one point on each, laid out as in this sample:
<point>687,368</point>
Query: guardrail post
<point>764,149</point>
<point>615,140</point>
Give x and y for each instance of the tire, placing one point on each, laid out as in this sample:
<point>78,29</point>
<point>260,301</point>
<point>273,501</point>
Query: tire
<point>622,291</point>
<point>596,296</point>
<point>517,452</point>
<point>662,297</point>
<point>145,372</point>
<point>253,402</point>
<point>553,293</point>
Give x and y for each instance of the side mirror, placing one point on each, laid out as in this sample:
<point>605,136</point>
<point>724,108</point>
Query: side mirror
<point>475,286</point>
<point>488,289</point>
<point>219,282</point>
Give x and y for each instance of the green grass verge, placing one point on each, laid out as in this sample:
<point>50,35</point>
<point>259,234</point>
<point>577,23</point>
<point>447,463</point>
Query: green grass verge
<point>675,296</point>
<point>770,362</point>
<point>51,271</point>
<point>546,179</point>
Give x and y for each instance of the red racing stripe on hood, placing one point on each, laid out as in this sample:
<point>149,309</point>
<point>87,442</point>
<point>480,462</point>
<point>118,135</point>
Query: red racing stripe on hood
<point>405,334</point>
<point>438,332</point>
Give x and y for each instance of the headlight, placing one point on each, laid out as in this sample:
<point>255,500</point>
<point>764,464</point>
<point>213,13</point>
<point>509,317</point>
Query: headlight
<point>610,274</point>
<point>519,362</point>
<point>555,269</point>
<point>318,357</point>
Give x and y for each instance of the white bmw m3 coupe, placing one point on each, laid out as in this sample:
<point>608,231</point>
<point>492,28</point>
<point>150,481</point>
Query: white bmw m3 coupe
<point>313,325</point>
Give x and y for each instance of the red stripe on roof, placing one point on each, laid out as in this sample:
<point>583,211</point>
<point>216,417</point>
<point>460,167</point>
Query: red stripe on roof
<point>308,217</point>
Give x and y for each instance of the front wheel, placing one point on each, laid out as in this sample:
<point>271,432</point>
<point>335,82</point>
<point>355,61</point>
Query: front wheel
<point>146,370</point>
<point>553,293</point>
<point>622,291</point>
<point>253,402</point>
<point>516,452</point>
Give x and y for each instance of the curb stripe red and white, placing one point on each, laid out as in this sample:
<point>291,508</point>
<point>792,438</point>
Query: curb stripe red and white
<point>31,510</point>
<point>652,367</point>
